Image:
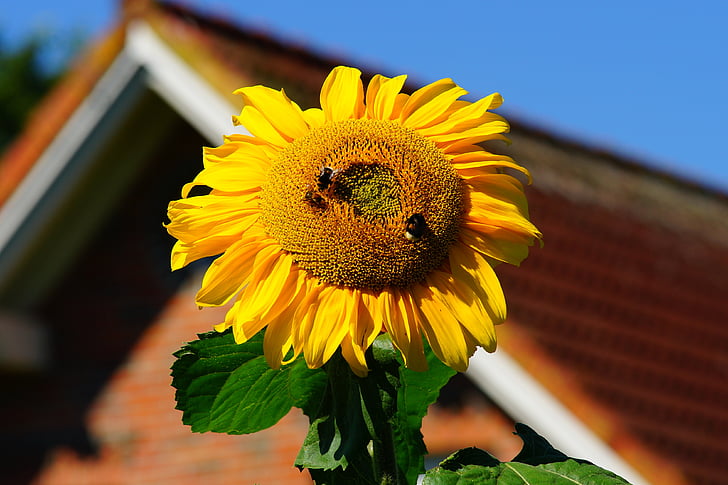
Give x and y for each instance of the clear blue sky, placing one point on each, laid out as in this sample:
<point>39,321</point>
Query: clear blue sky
<point>648,79</point>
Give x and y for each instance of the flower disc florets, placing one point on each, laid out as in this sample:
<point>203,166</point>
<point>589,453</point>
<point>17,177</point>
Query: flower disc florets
<point>339,200</point>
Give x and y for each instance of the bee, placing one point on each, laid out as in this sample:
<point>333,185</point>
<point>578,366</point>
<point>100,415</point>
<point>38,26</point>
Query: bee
<point>314,198</point>
<point>317,196</point>
<point>326,177</point>
<point>415,227</point>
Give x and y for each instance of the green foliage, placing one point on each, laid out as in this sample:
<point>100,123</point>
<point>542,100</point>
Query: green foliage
<point>229,388</point>
<point>362,430</point>
<point>538,463</point>
<point>368,429</point>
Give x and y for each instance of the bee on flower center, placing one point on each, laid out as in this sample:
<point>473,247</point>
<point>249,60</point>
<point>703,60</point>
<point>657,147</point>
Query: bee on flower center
<point>326,177</point>
<point>415,227</point>
<point>314,198</point>
<point>325,182</point>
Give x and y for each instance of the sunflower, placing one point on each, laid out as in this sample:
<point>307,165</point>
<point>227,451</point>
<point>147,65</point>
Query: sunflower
<point>378,212</point>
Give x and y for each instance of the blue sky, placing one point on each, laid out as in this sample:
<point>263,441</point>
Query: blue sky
<point>648,79</point>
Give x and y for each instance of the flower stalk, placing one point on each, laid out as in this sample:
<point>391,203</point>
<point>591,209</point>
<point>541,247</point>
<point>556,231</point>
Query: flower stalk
<point>355,435</point>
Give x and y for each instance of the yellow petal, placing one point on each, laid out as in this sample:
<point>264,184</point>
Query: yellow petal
<point>442,330</point>
<point>355,356</point>
<point>466,115</point>
<point>372,89</point>
<point>314,117</point>
<point>462,300</point>
<point>399,102</point>
<point>183,253</point>
<point>502,187</point>
<point>229,320</point>
<point>456,146</point>
<point>489,210</point>
<point>471,269</point>
<point>426,105</point>
<point>230,177</point>
<point>496,242</point>
<point>279,333</point>
<point>281,113</point>
<point>382,95</point>
<point>342,94</point>
<point>210,215</point>
<point>227,274</point>
<point>472,135</point>
<point>257,124</point>
<point>242,149</point>
<point>328,327</point>
<point>305,314</point>
<point>248,146</point>
<point>271,286</point>
<point>478,162</point>
<point>364,329</point>
<point>414,351</point>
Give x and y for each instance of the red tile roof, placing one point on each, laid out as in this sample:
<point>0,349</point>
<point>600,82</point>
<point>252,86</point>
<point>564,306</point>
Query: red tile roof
<point>635,316</point>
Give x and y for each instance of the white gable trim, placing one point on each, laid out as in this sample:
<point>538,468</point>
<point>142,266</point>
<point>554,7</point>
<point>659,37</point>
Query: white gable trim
<point>53,176</point>
<point>179,85</point>
<point>527,401</point>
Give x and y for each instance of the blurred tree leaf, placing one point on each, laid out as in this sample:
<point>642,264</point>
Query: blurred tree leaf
<point>25,77</point>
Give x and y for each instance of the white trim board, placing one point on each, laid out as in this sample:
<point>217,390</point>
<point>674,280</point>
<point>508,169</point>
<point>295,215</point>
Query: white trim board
<point>173,80</point>
<point>527,401</point>
<point>53,175</point>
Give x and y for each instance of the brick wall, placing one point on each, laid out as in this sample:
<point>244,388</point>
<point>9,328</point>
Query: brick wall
<point>140,438</point>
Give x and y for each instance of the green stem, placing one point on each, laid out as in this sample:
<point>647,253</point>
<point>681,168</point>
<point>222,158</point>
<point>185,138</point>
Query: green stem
<point>366,431</point>
<point>379,396</point>
<point>351,439</point>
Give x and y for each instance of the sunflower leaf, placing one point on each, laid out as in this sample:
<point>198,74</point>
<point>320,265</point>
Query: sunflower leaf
<point>538,463</point>
<point>227,387</point>
<point>536,449</point>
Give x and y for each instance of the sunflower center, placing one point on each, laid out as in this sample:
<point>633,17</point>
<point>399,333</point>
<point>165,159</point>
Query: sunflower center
<point>372,191</point>
<point>363,203</point>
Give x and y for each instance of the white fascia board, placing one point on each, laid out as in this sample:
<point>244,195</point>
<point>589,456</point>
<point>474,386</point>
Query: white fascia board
<point>53,175</point>
<point>178,84</point>
<point>527,401</point>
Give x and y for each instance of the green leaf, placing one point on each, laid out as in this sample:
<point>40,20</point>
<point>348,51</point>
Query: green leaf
<point>469,456</point>
<point>536,449</point>
<point>538,463</point>
<point>306,386</point>
<point>229,388</point>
